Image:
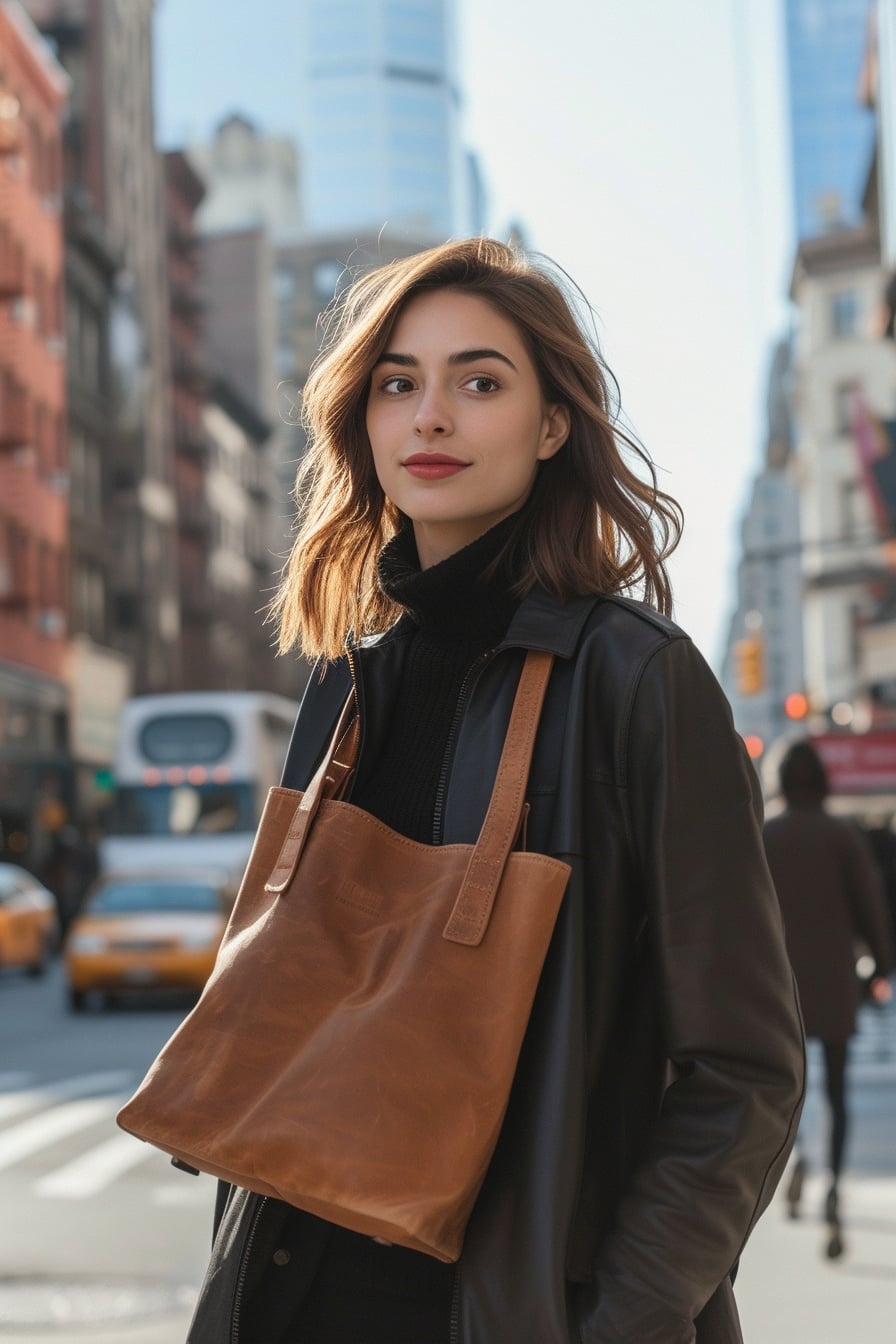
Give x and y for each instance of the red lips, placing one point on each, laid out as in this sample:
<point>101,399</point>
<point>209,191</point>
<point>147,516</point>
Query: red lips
<point>434,459</point>
<point>433,466</point>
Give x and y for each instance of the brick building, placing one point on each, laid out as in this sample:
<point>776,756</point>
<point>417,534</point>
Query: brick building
<point>33,446</point>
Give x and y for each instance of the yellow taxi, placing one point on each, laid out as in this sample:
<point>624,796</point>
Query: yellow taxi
<point>29,925</point>
<point>141,932</point>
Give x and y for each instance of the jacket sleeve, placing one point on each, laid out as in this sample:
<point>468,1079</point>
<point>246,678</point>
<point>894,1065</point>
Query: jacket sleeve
<point>728,1008</point>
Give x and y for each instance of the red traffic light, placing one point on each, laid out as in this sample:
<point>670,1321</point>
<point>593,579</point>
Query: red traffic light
<point>796,706</point>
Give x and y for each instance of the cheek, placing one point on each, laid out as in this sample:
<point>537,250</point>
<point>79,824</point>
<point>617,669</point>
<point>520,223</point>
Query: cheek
<point>381,422</point>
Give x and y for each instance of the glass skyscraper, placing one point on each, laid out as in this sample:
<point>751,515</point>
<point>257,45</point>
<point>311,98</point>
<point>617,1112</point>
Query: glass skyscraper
<point>380,118</point>
<point>831,135</point>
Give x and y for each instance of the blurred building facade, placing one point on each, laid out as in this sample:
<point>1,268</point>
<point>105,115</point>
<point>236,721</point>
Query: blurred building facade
<point>34,560</point>
<point>237,270</point>
<point>380,119</point>
<point>103,366</point>
<point>252,181</point>
<point>763,660</point>
<point>846,375</point>
<point>184,191</point>
<point>110,154</point>
<point>842,400</point>
<point>239,579</point>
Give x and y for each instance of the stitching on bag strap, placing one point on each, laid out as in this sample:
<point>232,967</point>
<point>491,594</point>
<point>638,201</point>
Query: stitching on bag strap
<point>472,909</point>
<point>329,781</point>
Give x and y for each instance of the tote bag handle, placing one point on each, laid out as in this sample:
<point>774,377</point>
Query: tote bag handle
<point>469,918</point>
<point>329,780</point>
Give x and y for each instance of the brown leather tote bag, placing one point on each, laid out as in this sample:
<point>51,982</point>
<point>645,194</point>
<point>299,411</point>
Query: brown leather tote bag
<point>354,1049</point>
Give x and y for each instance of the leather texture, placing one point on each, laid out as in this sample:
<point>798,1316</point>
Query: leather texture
<point>354,1049</point>
<point>615,1207</point>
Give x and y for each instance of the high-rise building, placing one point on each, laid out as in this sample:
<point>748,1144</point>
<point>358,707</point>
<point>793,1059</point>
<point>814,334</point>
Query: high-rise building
<point>380,119</point>
<point>831,133</point>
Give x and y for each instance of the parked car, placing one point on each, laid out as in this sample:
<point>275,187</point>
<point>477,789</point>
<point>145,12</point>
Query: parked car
<point>148,931</point>
<point>29,923</point>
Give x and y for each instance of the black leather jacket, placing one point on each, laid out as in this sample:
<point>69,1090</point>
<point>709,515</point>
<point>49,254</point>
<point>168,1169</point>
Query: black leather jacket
<point>660,1083</point>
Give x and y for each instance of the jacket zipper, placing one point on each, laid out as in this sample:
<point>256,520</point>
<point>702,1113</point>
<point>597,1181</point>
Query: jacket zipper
<point>356,692</point>
<point>466,687</point>
<point>454,1334</point>
<point>244,1269</point>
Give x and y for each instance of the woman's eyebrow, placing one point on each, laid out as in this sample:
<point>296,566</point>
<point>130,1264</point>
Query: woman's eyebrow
<point>462,357</point>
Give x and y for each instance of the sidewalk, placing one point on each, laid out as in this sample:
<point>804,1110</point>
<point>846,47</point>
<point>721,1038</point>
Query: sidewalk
<point>787,1291</point>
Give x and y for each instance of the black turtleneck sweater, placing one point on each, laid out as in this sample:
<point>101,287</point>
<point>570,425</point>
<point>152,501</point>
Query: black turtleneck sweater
<point>455,619</point>
<point>365,1293</point>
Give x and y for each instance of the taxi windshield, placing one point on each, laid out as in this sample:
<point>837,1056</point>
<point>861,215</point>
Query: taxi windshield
<point>145,897</point>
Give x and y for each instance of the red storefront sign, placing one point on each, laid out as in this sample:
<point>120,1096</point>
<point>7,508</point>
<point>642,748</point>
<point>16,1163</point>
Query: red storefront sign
<point>858,763</point>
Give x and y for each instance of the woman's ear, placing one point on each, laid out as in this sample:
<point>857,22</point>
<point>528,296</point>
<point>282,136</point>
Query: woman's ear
<point>554,430</point>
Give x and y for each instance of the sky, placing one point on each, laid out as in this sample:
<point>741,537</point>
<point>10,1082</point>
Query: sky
<point>640,143</point>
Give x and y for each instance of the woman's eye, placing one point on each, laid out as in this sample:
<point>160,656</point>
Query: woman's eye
<point>397,383</point>
<point>482,383</point>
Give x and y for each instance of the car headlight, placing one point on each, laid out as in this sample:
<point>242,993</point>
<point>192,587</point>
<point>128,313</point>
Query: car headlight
<point>198,941</point>
<point>87,942</point>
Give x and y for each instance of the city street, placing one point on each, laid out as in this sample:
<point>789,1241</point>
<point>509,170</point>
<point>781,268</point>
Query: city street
<point>104,1242</point>
<point>107,1240</point>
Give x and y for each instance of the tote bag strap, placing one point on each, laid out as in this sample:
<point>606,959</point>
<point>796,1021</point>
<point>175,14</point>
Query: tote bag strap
<point>469,918</point>
<point>470,915</point>
<point>329,781</point>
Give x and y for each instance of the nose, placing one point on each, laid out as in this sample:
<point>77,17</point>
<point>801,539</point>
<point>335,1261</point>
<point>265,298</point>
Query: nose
<point>432,416</point>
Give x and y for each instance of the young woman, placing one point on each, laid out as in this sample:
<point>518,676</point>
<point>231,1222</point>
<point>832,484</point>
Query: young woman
<point>465,498</point>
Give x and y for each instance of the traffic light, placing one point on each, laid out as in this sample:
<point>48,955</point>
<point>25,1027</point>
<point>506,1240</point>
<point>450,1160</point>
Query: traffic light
<point>749,665</point>
<point>796,705</point>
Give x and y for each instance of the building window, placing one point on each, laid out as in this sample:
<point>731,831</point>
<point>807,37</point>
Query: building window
<point>850,509</point>
<point>844,406</point>
<point>844,314</point>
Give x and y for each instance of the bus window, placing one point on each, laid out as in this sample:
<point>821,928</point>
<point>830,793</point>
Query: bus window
<point>208,809</point>
<point>175,739</point>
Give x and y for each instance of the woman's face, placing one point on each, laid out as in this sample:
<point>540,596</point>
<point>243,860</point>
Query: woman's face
<point>457,421</point>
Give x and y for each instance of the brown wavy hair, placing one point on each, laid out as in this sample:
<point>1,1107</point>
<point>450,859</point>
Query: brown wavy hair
<point>590,525</point>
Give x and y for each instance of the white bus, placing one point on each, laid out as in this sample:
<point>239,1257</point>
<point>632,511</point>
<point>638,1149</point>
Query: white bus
<point>192,771</point>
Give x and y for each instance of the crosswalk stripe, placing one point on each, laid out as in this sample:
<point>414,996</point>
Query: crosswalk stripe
<point>42,1130</point>
<point>65,1089</point>
<point>19,1102</point>
<point>94,1170</point>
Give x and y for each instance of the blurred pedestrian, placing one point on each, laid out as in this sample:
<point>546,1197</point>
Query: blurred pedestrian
<point>831,897</point>
<point>467,496</point>
<point>883,846</point>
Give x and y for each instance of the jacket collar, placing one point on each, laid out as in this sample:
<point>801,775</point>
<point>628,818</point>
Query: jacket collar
<point>542,621</point>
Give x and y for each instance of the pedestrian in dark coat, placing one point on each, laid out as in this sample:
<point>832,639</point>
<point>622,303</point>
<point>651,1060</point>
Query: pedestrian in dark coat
<point>831,897</point>
<point>466,497</point>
